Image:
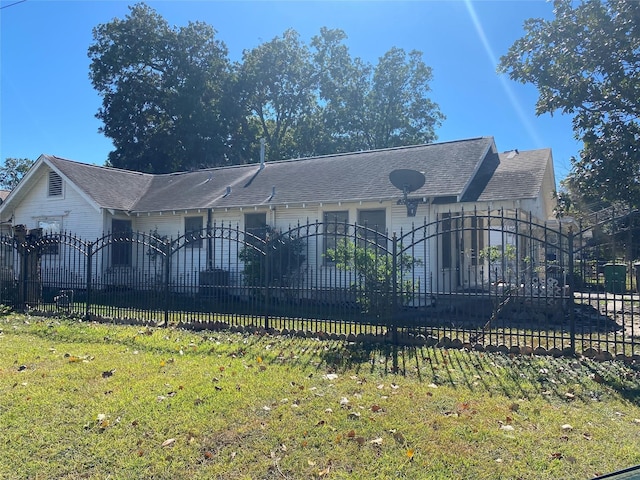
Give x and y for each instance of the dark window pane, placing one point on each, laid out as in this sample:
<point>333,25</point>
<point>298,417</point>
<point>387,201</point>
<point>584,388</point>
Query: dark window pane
<point>121,247</point>
<point>255,225</point>
<point>193,232</point>
<point>334,230</point>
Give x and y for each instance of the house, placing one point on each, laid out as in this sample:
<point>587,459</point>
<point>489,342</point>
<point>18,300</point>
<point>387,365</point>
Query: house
<point>59,195</point>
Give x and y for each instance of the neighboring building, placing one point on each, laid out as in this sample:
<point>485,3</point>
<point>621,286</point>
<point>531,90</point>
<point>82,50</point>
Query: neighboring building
<point>468,175</point>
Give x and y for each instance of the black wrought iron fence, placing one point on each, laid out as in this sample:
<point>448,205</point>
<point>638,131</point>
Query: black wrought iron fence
<point>481,279</point>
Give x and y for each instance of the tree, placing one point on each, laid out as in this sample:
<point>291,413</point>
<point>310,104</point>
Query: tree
<point>165,91</point>
<point>369,107</point>
<point>12,172</point>
<point>586,62</point>
<point>278,87</point>
<point>319,100</point>
<point>172,100</point>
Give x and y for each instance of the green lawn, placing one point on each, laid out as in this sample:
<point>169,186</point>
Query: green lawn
<point>82,400</point>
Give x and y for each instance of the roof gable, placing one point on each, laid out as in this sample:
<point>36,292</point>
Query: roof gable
<point>108,187</point>
<point>510,176</point>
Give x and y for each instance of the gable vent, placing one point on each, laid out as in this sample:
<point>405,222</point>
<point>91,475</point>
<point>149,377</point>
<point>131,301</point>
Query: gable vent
<point>55,184</point>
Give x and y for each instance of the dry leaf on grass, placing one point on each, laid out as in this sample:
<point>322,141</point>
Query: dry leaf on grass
<point>168,442</point>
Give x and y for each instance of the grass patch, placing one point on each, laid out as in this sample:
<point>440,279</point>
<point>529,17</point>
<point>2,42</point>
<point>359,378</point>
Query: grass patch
<point>84,400</point>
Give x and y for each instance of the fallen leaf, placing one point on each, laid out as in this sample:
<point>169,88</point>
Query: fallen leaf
<point>399,438</point>
<point>351,434</point>
<point>376,441</point>
<point>507,428</point>
<point>359,440</point>
<point>566,427</point>
<point>331,376</point>
<point>376,408</point>
<point>168,442</point>
<point>514,407</point>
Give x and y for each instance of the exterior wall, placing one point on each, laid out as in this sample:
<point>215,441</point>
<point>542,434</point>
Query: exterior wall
<point>81,218</point>
<point>76,214</point>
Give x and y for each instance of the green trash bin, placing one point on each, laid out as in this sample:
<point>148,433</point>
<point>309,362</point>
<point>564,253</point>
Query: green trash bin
<point>615,277</point>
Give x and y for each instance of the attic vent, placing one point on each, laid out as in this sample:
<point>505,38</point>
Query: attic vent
<point>55,184</point>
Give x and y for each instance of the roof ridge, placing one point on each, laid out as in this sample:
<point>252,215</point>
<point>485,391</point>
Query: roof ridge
<point>329,155</point>
<point>102,167</point>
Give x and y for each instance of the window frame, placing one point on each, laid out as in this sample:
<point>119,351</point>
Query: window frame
<point>196,241</point>
<point>52,248</point>
<point>121,250</point>
<point>366,228</point>
<point>333,230</point>
<point>251,228</point>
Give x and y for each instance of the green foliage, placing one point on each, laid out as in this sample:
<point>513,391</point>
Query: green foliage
<point>274,262</point>
<point>500,259</point>
<point>172,100</point>
<point>12,172</point>
<point>166,98</point>
<point>585,62</point>
<point>375,274</point>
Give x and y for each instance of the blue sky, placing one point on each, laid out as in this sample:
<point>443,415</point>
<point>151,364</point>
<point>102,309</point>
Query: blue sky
<point>47,103</point>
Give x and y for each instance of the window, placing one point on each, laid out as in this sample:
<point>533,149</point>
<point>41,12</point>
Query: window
<point>375,223</point>
<point>51,228</point>
<point>121,247</point>
<point>193,232</point>
<point>255,225</point>
<point>334,230</point>
<point>55,185</point>
<point>474,234</point>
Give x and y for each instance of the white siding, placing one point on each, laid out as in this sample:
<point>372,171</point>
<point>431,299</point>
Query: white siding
<point>77,215</point>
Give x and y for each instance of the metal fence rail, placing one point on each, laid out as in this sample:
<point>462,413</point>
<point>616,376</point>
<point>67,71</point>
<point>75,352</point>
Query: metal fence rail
<point>481,279</point>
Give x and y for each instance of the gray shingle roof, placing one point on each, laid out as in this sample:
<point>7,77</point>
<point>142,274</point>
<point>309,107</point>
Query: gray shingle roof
<point>109,187</point>
<point>470,167</point>
<point>510,176</point>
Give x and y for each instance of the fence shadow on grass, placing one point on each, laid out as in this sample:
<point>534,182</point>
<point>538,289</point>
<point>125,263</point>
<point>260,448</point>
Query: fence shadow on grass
<point>514,376</point>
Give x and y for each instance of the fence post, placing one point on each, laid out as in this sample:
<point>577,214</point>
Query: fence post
<point>267,291</point>
<point>167,273</point>
<point>89,271</point>
<point>572,316</point>
<point>394,286</point>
